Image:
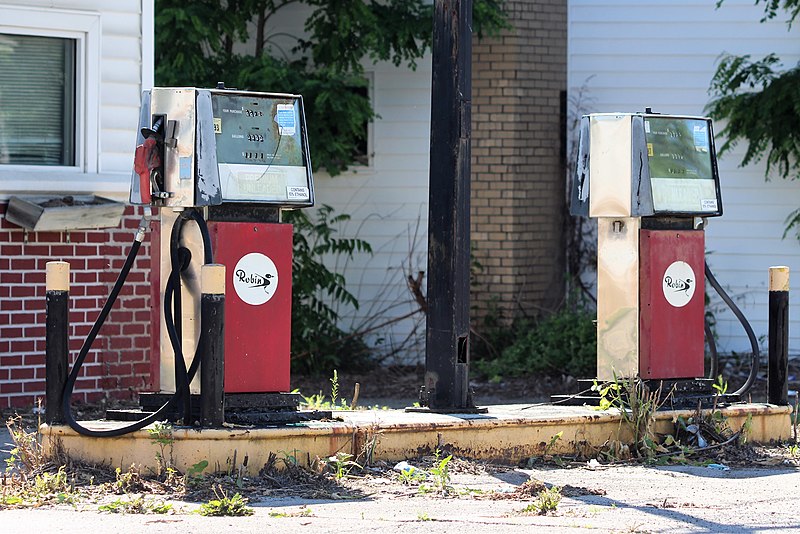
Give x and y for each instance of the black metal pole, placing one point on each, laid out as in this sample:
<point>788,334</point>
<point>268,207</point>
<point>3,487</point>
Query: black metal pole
<point>778,365</point>
<point>212,346</point>
<point>446,385</point>
<point>56,338</point>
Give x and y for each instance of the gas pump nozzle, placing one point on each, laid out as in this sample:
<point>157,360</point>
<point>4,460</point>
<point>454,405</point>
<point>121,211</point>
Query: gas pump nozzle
<point>147,160</point>
<point>155,130</point>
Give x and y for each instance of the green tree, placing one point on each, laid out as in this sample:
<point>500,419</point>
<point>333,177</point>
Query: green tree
<point>201,42</point>
<point>760,101</point>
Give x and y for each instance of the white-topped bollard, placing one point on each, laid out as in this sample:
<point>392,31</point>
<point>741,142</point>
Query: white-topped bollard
<point>778,364</point>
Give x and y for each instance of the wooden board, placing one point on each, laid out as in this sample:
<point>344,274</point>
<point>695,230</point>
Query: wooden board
<point>43,213</point>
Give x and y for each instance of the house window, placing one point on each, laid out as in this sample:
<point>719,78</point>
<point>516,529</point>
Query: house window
<point>50,102</point>
<point>37,91</point>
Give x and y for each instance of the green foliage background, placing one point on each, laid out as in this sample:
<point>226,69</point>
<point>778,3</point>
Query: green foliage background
<point>318,344</point>
<point>195,47</point>
<point>201,42</point>
<point>561,342</point>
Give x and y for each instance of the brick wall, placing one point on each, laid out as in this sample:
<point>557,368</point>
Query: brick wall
<point>519,79</point>
<point>118,366</point>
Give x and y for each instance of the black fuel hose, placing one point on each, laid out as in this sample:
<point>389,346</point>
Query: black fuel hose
<point>182,387</point>
<point>747,328</point>
<point>179,261</point>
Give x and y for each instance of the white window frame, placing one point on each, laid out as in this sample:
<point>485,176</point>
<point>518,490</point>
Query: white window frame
<point>85,28</point>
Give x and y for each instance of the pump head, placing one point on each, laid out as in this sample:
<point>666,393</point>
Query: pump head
<point>646,164</point>
<point>222,145</point>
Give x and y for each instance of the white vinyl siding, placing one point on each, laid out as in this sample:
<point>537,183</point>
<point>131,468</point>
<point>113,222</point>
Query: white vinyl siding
<point>387,201</point>
<point>632,54</point>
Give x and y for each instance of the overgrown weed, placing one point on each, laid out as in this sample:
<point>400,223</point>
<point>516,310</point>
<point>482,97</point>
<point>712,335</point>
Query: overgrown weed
<point>702,435</point>
<point>224,505</point>
<point>546,502</point>
<point>32,477</point>
<point>137,505</point>
<point>340,464</point>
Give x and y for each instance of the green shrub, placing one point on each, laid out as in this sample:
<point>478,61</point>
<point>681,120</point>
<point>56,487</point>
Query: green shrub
<point>318,344</point>
<point>495,333</point>
<point>562,342</point>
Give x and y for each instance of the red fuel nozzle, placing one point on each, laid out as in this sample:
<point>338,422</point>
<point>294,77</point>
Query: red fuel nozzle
<point>146,160</point>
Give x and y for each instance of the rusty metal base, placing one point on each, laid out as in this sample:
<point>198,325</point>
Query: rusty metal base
<point>675,394</point>
<point>240,409</point>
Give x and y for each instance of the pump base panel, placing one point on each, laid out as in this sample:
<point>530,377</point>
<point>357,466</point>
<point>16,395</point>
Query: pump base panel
<point>671,336</point>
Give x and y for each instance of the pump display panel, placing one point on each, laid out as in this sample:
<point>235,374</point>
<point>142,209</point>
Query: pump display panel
<point>261,152</point>
<point>681,164</point>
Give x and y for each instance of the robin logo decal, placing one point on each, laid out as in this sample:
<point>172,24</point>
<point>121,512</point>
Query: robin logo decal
<point>679,284</point>
<point>255,278</point>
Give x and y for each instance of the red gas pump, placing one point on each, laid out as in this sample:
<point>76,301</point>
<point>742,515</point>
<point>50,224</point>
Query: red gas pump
<point>217,167</point>
<point>240,158</point>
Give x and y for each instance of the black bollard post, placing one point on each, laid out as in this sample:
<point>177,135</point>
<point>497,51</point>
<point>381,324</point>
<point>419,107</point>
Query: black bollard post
<point>212,362</point>
<point>56,338</point>
<point>778,365</point>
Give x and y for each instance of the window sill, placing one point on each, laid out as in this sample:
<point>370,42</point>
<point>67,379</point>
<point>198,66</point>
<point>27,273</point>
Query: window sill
<point>55,214</point>
<point>110,185</point>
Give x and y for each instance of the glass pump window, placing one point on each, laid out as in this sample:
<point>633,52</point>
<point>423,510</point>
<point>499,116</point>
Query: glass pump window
<point>37,100</point>
<point>261,148</point>
<point>680,162</point>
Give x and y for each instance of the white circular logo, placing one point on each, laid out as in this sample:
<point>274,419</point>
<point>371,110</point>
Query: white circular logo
<point>255,278</point>
<point>679,284</point>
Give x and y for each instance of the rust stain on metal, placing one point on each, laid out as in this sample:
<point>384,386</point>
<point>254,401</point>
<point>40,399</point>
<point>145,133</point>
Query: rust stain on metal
<point>423,450</point>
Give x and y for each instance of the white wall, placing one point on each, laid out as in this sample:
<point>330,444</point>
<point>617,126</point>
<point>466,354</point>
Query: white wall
<point>662,54</point>
<point>388,203</point>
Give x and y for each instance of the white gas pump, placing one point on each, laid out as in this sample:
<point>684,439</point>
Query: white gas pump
<point>651,181</point>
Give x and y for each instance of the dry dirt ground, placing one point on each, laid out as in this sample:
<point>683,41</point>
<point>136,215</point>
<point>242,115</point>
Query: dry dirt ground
<point>399,386</point>
<point>480,498</point>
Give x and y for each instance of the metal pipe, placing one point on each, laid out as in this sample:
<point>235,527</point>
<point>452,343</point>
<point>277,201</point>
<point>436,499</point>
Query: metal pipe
<point>778,363</point>
<point>212,349</point>
<point>56,338</point>
<point>712,350</point>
